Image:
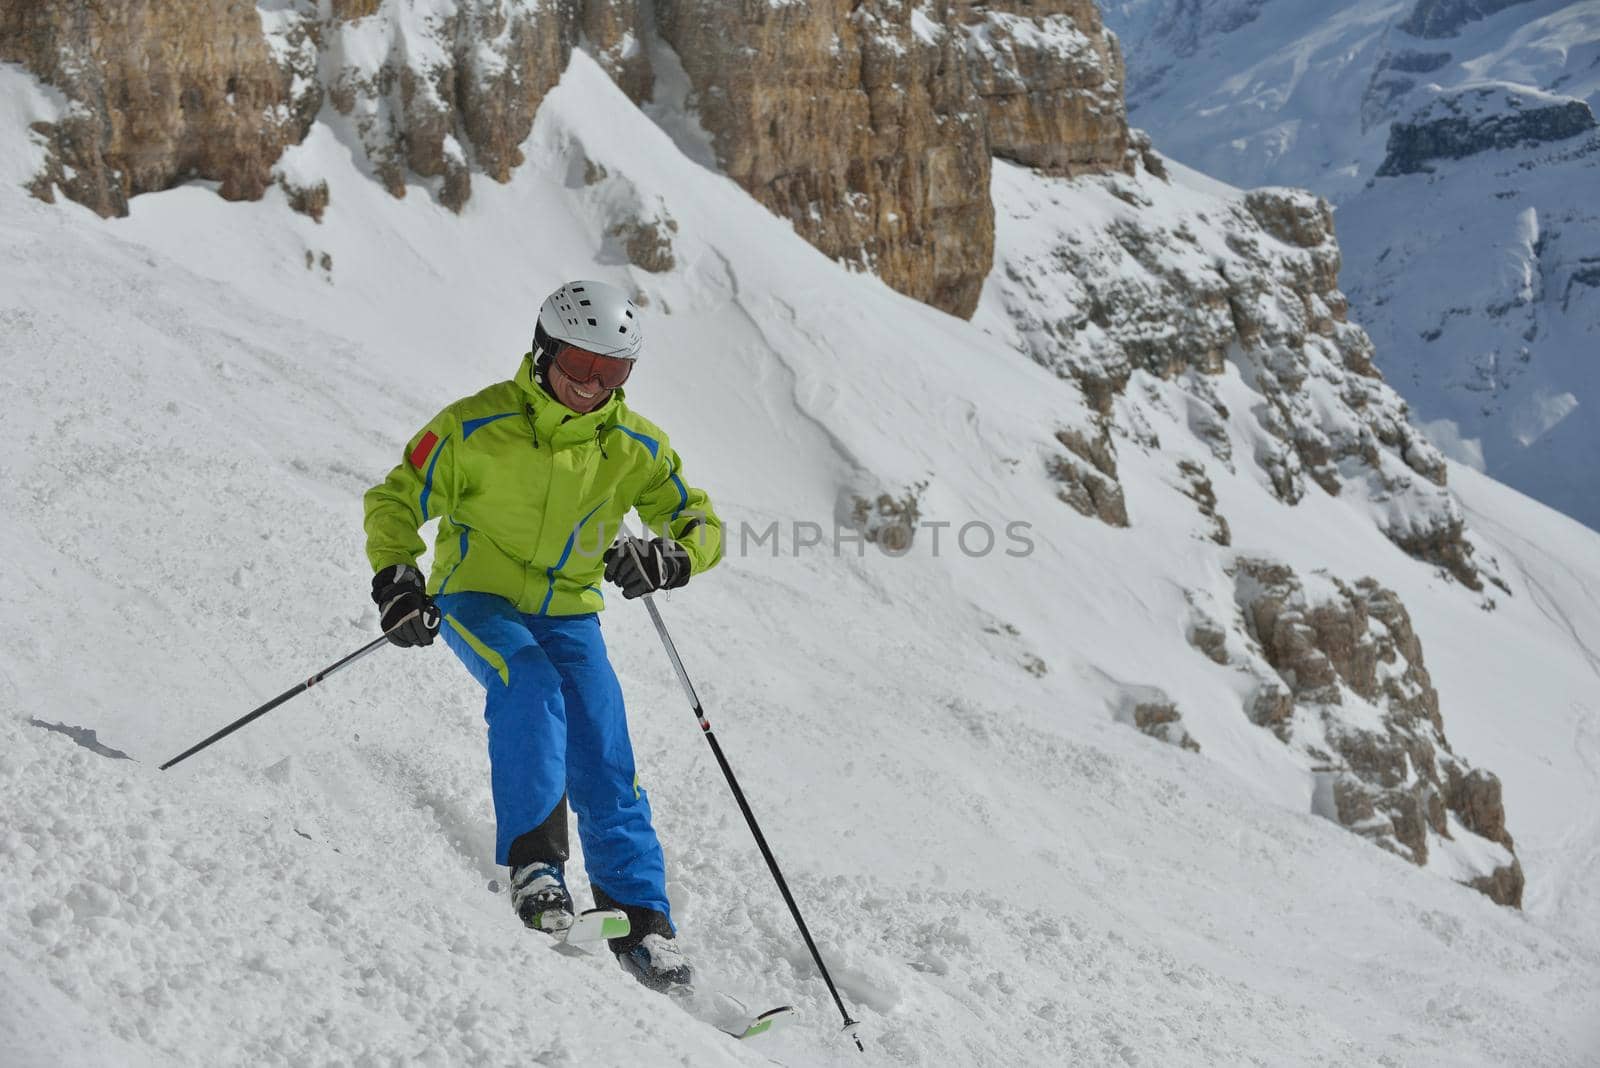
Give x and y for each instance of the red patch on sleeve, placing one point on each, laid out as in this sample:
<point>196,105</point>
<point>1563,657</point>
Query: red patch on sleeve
<point>419,455</point>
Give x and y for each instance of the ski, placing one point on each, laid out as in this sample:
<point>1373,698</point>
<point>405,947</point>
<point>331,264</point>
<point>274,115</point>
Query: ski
<point>765,1023</point>
<point>727,1013</point>
<point>594,925</point>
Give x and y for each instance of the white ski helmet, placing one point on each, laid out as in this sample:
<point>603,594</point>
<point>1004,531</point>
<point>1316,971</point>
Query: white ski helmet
<point>591,315</point>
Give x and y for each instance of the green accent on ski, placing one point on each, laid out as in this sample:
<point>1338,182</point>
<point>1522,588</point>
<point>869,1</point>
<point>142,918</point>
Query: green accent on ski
<point>767,1021</point>
<point>594,924</point>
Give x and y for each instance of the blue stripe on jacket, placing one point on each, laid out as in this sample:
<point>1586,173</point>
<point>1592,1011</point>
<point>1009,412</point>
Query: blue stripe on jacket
<point>644,439</point>
<point>566,551</point>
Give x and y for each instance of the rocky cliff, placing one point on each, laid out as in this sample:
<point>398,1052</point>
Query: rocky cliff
<point>1205,326</point>
<point>164,93</point>
<point>1178,285</point>
<point>1444,18</point>
<point>1464,122</point>
<point>869,125</point>
<point>864,131</point>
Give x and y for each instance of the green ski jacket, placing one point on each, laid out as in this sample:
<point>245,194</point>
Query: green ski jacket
<point>529,494</point>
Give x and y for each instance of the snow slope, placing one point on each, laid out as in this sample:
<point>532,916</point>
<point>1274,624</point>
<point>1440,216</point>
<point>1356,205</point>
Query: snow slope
<point>998,871</point>
<point>1297,92</point>
<point>1476,277</point>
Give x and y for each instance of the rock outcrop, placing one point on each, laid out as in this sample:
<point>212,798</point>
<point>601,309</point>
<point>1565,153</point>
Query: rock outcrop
<point>1087,472</point>
<point>1248,280</point>
<point>1050,79</point>
<point>1197,487</point>
<point>1444,18</point>
<point>1412,62</point>
<point>1341,679</point>
<point>164,93</point>
<point>1151,711</point>
<point>1465,122</point>
<point>869,125</point>
<point>1392,82</point>
<point>442,96</point>
<point>1185,26</point>
<point>864,132</point>
<point>887,521</point>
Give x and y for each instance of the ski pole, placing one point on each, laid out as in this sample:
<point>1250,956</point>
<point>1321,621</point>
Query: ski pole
<point>850,1026</point>
<point>292,692</point>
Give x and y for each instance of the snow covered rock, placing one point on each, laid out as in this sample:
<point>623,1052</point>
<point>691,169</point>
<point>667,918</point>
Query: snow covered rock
<point>1050,78</point>
<point>1102,278</point>
<point>431,91</point>
<point>439,93</point>
<point>1151,711</point>
<point>617,34</point>
<point>1432,19</point>
<point>1464,122</point>
<point>1198,488</point>
<point>887,520</point>
<point>156,94</point>
<point>1088,476</point>
<point>1343,682</point>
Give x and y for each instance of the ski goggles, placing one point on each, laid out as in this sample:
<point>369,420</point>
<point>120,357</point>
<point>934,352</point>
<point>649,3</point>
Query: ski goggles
<point>581,365</point>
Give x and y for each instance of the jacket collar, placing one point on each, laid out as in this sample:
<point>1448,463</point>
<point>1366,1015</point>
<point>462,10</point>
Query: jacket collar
<point>554,423</point>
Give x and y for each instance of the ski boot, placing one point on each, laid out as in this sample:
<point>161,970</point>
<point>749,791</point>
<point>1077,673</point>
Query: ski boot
<point>539,894</point>
<point>657,962</point>
<point>649,952</point>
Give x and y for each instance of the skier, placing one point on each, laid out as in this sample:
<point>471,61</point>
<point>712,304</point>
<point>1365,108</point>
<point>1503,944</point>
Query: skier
<point>527,478</point>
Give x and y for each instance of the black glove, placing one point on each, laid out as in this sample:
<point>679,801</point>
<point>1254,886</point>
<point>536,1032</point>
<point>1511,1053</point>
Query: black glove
<point>398,591</point>
<point>641,567</point>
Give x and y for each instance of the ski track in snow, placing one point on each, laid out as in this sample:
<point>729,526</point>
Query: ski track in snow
<point>1548,605</point>
<point>1539,569</point>
<point>996,871</point>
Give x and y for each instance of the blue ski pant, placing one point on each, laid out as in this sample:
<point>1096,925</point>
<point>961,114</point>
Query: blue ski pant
<point>557,727</point>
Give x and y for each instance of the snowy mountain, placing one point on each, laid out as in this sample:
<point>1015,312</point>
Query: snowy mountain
<point>1212,527</point>
<point>1458,143</point>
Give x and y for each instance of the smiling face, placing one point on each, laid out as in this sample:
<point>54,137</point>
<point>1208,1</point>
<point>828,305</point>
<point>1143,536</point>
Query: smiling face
<point>581,397</point>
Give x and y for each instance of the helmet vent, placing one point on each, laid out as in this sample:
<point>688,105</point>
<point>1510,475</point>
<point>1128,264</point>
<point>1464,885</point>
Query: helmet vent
<point>577,289</point>
<point>622,329</point>
<point>584,303</point>
<point>628,312</point>
<point>593,323</point>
